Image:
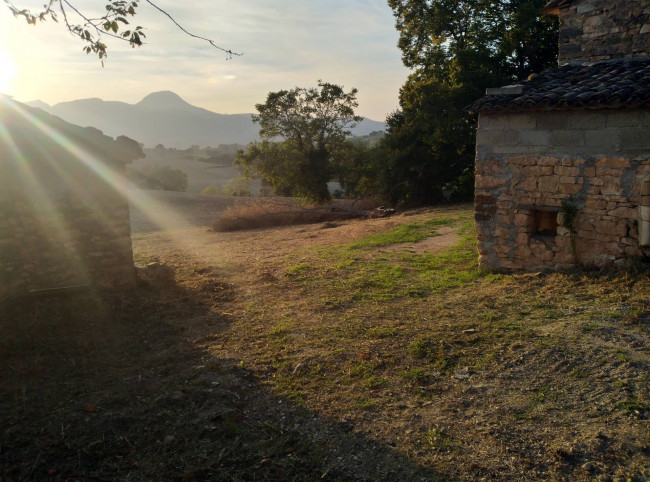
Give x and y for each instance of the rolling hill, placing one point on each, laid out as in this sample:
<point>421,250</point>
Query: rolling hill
<point>165,118</point>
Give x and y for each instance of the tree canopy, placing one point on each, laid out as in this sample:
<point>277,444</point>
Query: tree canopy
<point>456,49</point>
<point>92,30</point>
<point>303,132</point>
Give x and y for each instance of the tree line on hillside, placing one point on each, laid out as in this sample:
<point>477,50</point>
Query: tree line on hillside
<point>222,155</point>
<point>455,49</point>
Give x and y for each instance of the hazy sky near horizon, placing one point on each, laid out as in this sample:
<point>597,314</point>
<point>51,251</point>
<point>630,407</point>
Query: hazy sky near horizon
<point>285,43</point>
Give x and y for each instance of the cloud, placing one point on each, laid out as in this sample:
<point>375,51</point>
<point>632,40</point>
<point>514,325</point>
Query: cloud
<point>284,43</point>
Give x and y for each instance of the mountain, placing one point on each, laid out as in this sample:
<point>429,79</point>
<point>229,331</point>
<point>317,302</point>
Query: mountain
<point>39,104</point>
<point>165,118</point>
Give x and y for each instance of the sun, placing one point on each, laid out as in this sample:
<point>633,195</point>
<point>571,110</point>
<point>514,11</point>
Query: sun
<point>7,72</point>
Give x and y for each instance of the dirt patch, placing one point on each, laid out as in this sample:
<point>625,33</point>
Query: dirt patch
<point>232,251</point>
<point>447,237</point>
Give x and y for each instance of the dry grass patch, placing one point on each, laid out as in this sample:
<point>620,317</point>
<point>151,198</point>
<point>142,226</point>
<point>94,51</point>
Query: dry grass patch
<point>264,213</point>
<point>464,374</point>
<point>473,374</point>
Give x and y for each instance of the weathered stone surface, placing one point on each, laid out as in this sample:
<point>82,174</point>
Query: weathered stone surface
<point>566,171</point>
<point>596,160</point>
<point>535,137</point>
<point>488,182</point>
<point>604,229</point>
<point>603,29</point>
<point>548,184</point>
<point>611,162</point>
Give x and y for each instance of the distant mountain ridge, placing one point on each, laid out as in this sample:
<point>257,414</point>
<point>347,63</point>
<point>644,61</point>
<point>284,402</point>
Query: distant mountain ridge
<point>165,118</point>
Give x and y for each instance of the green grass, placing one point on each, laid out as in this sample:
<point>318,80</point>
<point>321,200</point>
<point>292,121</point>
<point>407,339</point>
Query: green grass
<point>357,273</point>
<point>407,233</point>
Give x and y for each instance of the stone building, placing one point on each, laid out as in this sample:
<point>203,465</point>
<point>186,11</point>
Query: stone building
<point>563,159</point>
<point>64,217</point>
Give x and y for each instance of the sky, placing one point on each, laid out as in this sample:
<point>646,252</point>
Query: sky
<point>285,43</point>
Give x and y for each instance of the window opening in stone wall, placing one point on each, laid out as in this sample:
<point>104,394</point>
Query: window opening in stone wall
<point>544,224</point>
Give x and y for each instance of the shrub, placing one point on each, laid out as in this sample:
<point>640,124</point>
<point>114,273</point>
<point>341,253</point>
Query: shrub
<point>282,212</point>
<point>237,187</point>
<point>158,178</point>
<point>211,191</point>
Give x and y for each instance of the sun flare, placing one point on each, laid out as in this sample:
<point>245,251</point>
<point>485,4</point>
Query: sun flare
<point>7,72</point>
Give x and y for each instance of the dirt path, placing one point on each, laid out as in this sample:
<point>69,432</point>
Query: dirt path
<point>239,251</point>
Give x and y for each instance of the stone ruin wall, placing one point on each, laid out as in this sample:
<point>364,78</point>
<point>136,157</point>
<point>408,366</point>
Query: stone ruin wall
<point>529,163</point>
<point>604,29</point>
<point>51,237</point>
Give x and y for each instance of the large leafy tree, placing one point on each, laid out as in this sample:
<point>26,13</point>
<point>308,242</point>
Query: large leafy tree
<point>303,132</point>
<point>456,49</point>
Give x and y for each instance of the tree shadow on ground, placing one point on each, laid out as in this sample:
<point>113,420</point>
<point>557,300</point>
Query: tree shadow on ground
<point>108,387</point>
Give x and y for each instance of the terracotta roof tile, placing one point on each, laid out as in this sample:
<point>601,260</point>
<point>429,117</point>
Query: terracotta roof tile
<point>619,83</point>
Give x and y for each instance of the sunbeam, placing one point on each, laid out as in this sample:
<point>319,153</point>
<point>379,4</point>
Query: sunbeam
<point>75,176</point>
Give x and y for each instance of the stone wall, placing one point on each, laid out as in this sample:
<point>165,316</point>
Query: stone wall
<point>63,226</point>
<point>533,169</point>
<point>604,29</point>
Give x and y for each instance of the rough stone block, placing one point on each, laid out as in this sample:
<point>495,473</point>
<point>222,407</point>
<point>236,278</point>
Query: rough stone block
<point>487,167</point>
<point>489,182</point>
<point>587,120</point>
<point>522,220</point>
<point>489,137</point>
<point>603,140</point>
<point>646,118</point>
<point>552,121</point>
<point>492,121</point>
<point>522,149</point>
<point>548,184</point>
<point>566,171</point>
<point>528,184</point>
<point>611,186</point>
<point>522,238</point>
<point>603,163</point>
<point>511,137</point>
<point>623,212</point>
<point>548,161</point>
<point>624,118</point>
<point>595,203</point>
<point>522,161</point>
<point>611,229</point>
<point>569,189</point>
<point>567,138</point>
<point>522,121</point>
<point>535,137</point>
<point>635,138</point>
<point>484,152</point>
<point>483,199</point>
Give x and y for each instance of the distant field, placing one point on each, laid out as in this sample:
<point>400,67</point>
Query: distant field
<point>170,210</point>
<point>199,174</point>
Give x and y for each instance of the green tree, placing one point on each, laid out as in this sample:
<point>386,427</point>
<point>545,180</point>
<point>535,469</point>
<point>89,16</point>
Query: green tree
<point>237,187</point>
<point>303,131</point>
<point>211,190</point>
<point>158,178</point>
<point>456,49</point>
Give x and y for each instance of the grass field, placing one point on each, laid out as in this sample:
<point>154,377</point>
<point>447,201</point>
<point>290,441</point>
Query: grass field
<point>361,350</point>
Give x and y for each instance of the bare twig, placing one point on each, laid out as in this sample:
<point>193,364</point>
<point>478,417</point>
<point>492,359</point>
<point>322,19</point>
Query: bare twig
<point>211,42</point>
<point>102,26</point>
